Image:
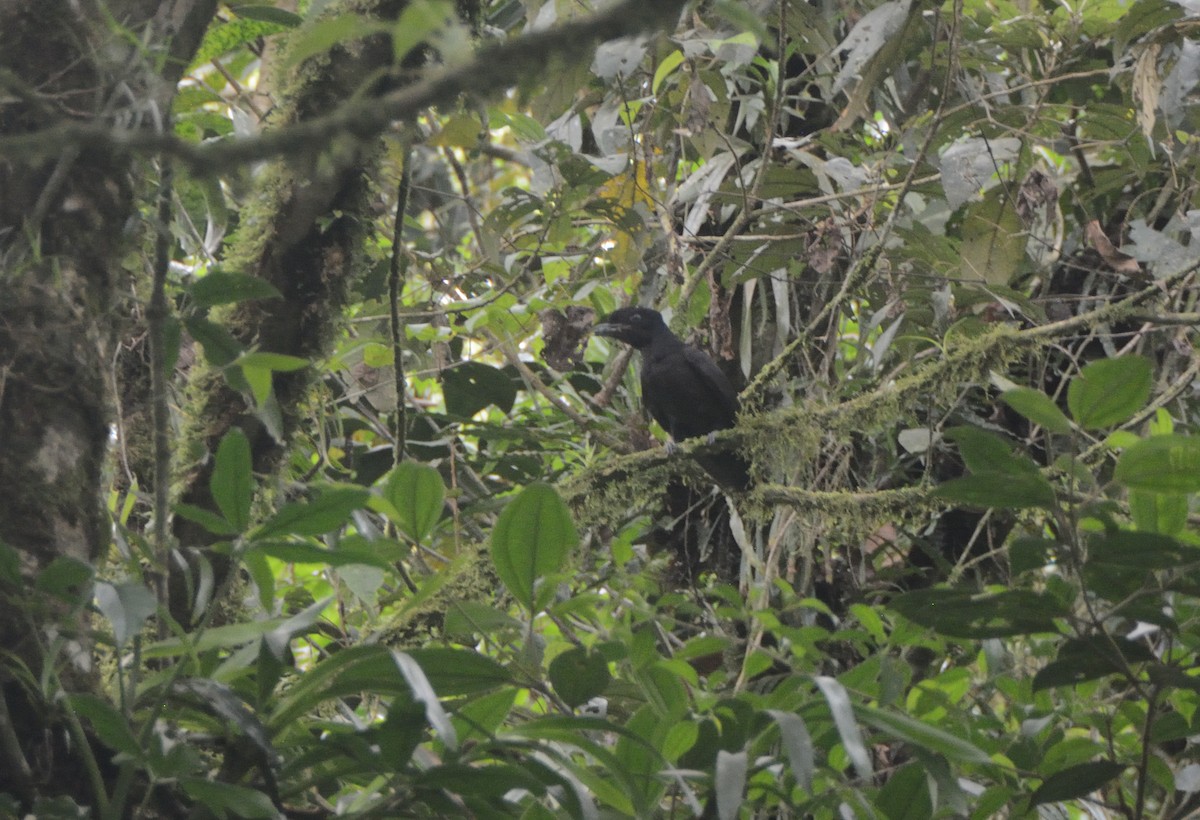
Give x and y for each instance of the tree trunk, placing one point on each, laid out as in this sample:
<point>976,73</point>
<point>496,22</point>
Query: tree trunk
<point>64,225</point>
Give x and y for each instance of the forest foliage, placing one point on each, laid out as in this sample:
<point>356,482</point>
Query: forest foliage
<point>391,536</point>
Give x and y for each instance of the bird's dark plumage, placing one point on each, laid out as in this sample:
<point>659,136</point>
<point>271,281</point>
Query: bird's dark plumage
<point>682,387</point>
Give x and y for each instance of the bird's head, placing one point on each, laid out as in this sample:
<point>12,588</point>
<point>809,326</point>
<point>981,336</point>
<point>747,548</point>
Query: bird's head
<point>635,326</point>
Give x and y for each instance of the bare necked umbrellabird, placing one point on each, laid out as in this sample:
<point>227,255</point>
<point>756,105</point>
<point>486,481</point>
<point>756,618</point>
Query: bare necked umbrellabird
<point>682,387</point>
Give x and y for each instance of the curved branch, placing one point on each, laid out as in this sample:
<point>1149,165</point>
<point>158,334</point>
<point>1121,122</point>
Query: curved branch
<point>494,69</point>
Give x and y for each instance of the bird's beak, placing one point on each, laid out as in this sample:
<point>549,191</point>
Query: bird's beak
<point>609,329</point>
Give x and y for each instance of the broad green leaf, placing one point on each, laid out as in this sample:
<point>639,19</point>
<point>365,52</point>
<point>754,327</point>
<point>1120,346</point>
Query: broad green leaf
<point>66,577</point>
<point>668,64</point>
<point>1163,513</point>
<point>905,795</point>
<point>1084,659</point>
<point>454,672</point>
<point>416,493</point>
<point>471,386</point>
<point>491,782</point>
<point>1109,391</point>
<point>1029,553</point>
<point>919,733</point>
<point>223,287</point>
<point>270,14</point>
<point>330,510</point>
<point>467,618</point>
<point>260,382</point>
<point>532,539</point>
<point>1038,408</point>
<point>205,518</point>
<point>459,131</point>
<point>484,715</point>
<point>1161,464</point>
<point>847,726</point>
<point>681,738</point>
<point>223,799</point>
<point>993,239</point>
<point>325,34</point>
<point>220,348</point>
<point>985,452</point>
<point>277,362</point>
<point>223,38</point>
<point>961,613</point>
<point>109,724</point>
<point>1139,550</point>
<point>1002,490</point>
<point>578,675</point>
<point>1076,781</point>
<point>302,552</point>
<point>232,482</point>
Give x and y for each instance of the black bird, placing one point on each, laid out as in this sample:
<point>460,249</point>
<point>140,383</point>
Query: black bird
<point>682,387</point>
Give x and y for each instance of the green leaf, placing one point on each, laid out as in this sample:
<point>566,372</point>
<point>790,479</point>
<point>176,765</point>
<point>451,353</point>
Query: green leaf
<point>1002,490</point>
<point>918,733</point>
<point>299,552</point>
<point>1161,464</point>
<point>1109,391</point>
<point>962,614</point>
<point>223,288</point>
<point>1139,550</point>
<point>668,64</point>
<point>325,34</point>
<point>1076,781</point>
<point>329,511</point>
<point>578,675</point>
<point>416,493</point>
<point>1090,658</point>
<point>269,14</point>
<point>260,383</point>
<point>109,724</point>
<point>905,795</point>
<point>454,672</point>
<point>232,482</point>
<point>205,518</point>
<point>223,38</point>
<point>221,798</point>
<point>531,539</point>
<point>66,577</point>
<point>985,452</point>
<point>471,386</point>
<point>1163,513</point>
<point>277,362</point>
<point>220,348</point>
<point>1038,408</point>
<point>1029,553</point>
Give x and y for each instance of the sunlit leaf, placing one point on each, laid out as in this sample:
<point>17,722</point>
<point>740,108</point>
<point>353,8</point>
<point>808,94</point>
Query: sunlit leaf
<point>1161,464</point>
<point>1109,391</point>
